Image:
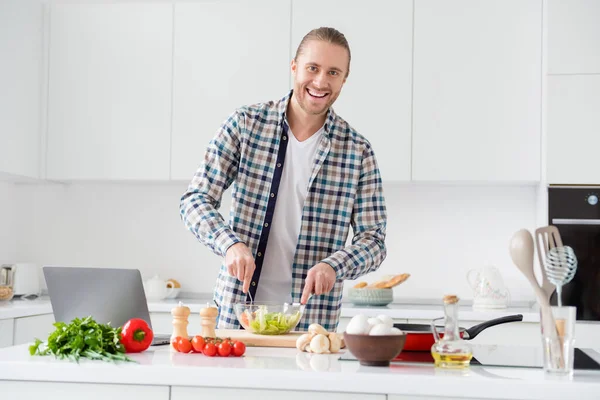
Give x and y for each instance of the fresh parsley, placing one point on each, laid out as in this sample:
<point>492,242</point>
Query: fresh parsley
<point>82,338</point>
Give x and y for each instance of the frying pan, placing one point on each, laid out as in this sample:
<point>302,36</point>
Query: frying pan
<point>419,337</point>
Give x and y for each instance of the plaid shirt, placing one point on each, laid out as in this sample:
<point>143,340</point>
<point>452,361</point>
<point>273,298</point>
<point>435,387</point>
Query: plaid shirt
<point>344,190</point>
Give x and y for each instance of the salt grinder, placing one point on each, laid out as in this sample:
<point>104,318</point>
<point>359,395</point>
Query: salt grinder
<point>208,317</point>
<point>180,321</point>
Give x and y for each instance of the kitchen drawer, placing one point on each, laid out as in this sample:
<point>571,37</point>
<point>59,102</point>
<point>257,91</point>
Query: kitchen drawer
<point>6,332</point>
<point>190,393</point>
<point>27,329</point>
<point>77,391</point>
<point>162,323</point>
<point>402,397</point>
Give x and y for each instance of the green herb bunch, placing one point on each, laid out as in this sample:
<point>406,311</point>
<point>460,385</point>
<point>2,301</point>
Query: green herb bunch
<point>82,338</point>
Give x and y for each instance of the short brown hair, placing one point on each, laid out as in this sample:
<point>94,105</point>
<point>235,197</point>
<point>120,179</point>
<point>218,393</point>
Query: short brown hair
<point>326,34</point>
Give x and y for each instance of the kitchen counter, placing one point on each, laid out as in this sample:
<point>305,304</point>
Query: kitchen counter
<point>23,308</point>
<point>290,370</point>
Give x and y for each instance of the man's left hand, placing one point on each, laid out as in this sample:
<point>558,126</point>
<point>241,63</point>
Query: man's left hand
<point>320,279</point>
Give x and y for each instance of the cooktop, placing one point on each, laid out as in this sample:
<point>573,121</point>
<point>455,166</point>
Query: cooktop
<point>500,356</point>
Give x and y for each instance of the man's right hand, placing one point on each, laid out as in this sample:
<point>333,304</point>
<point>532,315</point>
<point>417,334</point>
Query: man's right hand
<point>240,264</point>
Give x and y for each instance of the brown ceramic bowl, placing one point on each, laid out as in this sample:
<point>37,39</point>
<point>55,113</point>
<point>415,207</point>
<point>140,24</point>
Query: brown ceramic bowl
<point>375,350</point>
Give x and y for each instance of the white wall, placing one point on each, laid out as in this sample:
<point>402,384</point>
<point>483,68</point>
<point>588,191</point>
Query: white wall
<point>436,233</point>
<point>8,222</point>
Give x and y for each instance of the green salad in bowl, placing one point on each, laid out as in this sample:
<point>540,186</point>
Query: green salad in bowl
<point>268,318</point>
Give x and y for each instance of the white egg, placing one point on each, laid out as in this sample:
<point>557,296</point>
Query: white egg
<point>374,321</point>
<point>387,320</point>
<point>358,325</point>
<point>396,331</point>
<point>380,330</point>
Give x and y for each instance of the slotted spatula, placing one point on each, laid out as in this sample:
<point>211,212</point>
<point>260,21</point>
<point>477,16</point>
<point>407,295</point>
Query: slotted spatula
<point>546,238</point>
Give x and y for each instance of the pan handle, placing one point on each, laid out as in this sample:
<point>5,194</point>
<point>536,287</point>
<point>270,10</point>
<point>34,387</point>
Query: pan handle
<point>477,329</point>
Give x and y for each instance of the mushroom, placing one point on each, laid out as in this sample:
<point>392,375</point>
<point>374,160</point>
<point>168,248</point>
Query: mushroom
<point>317,329</point>
<point>319,344</point>
<point>303,342</point>
<point>335,342</point>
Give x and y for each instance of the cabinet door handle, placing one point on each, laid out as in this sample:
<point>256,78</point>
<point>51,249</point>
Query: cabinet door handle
<point>565,221</point>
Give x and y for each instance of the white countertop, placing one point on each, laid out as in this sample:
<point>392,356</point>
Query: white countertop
<point>288,369</point>
<point>24,308</point>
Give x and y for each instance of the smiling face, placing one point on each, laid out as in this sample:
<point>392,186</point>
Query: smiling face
<point>319,72</point>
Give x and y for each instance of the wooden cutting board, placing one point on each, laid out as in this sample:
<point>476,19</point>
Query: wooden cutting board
<point>253,340</point>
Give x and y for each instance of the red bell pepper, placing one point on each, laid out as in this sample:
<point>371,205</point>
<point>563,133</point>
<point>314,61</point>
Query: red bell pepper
<point>136,335</point>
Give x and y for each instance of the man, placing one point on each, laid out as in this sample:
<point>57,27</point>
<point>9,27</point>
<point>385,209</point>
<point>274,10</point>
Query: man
<point>302,176</point>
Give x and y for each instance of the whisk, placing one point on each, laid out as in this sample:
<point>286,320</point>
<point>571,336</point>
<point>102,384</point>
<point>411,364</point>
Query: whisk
<point>560,265</point>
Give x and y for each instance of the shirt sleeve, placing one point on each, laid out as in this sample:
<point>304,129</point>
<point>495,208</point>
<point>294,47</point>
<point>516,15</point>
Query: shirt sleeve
<point>369,221</point>
<point>200,203</point>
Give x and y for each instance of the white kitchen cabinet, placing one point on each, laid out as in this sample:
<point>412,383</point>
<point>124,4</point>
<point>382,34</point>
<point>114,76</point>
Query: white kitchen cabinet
<point>573,126</point>
<point>162,323</point>
<point>109,114</point>
<point>477,90</point>
<point>27,329</point>
<point>227,54</point>
<point>403,397</point>
<point>191,393</point>
<point>77,391</point>
<point>573,36</point>
<point>376,98</point>
<point>20,81</point>
<point>6,332</point>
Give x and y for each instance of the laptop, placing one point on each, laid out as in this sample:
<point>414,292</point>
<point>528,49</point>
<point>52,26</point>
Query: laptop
<point>107,294</point>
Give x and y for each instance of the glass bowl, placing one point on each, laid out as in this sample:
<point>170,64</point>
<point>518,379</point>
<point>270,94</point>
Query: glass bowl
<point>269,318</point>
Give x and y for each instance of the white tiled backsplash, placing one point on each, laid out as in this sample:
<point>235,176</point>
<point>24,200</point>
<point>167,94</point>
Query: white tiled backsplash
<point>435,232</point>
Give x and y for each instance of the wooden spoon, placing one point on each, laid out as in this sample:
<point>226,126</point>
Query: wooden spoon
<point>521,253</point>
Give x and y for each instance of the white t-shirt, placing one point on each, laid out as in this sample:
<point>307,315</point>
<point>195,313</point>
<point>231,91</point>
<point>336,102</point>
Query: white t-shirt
<point>275,283</point>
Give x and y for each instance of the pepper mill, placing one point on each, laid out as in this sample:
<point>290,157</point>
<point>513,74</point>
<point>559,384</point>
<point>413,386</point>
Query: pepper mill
<point>208,317</point>
<point>180,321</point>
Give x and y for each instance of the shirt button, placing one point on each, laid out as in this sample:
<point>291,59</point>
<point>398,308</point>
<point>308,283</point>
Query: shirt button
<point>259,254</point>
<point>285,138</point>
<point>278,165</point>
<point>266,224</point>
<point>272,194</point>
<point>253,283</point>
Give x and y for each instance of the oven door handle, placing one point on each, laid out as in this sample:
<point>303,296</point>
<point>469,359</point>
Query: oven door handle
<point>566,221</point>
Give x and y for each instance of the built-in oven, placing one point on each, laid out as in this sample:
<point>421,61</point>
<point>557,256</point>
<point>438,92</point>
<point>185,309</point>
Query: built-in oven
<point>575,211</point>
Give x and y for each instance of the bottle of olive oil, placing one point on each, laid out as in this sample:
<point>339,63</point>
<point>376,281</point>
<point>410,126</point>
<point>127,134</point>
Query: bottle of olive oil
<point>449,349</point>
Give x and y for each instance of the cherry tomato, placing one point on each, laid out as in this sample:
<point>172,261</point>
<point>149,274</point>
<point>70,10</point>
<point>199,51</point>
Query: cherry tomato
<point>210,349</point>
<point>198,344</point>
<point>174,342</point>
<point>239,348</point>
<point>224,349</point>
<point>184,345</point>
